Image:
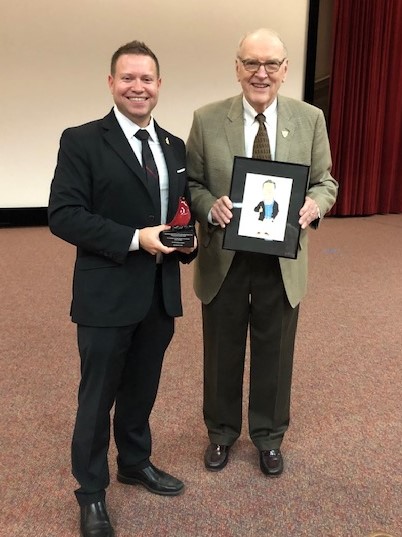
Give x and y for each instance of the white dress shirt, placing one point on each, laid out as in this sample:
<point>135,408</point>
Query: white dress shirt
<point>251,126</point>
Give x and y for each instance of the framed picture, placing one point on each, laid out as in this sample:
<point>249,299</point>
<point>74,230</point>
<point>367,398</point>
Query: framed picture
<point>267,197</point>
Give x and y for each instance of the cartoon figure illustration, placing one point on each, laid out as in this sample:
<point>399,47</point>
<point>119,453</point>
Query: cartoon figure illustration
<point>268,208</point>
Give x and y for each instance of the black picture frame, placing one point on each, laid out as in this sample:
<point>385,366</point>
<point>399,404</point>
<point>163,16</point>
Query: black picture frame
<point>272,228</point>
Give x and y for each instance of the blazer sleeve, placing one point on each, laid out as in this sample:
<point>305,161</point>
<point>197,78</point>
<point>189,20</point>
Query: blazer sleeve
<point>201,197</point>
<point>322,186</point>
<point>71,212</point>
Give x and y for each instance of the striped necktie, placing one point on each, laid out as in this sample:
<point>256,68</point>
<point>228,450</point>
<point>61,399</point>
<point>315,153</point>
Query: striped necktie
<point>151,171</point>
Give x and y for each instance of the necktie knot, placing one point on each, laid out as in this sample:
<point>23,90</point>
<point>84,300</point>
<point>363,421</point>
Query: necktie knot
<point>260,118</point>
<point>142,134</point>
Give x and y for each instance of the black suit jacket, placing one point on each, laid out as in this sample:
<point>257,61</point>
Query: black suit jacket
<point>99,197</point>
<point>261,210</point>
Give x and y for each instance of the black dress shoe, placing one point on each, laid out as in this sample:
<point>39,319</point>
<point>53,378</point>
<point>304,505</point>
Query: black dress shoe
<point>271,462</point>
<point>95,520</point>
<point>152,479</point>
<point>216,457</point>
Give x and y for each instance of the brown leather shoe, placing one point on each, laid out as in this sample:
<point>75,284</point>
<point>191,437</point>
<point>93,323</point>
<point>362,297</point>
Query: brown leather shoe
<point>216,457</point>
<point>271,462</point>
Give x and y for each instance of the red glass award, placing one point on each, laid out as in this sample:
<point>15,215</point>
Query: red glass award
<point>181,232</point>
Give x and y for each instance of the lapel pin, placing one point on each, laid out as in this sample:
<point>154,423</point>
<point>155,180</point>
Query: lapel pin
<point>285,133</point>
<point>167,140</point>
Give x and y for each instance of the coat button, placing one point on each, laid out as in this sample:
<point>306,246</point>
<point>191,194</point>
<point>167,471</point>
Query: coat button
<point>151,217</point>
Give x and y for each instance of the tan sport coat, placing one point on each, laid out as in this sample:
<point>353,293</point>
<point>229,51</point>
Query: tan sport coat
<point>216,137</point>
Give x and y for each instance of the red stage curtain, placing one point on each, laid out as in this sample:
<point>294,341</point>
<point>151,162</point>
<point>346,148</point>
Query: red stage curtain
<point>365,110</point>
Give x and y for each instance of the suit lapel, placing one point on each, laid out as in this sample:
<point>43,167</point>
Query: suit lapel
<point>234,127</point>
<point>171,164</point>
<point>116,139</point>
<point>285,130</point>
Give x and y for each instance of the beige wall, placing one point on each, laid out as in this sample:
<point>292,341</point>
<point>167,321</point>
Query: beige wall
<point>55,59</point>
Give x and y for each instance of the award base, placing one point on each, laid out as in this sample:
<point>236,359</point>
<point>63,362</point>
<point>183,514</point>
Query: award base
<point>178,236</point>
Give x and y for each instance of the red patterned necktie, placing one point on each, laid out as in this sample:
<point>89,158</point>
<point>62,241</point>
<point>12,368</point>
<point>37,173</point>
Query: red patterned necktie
<point>149,165</point>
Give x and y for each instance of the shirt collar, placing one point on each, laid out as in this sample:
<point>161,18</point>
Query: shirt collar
<point>250,113</point>
<point>130,128</point>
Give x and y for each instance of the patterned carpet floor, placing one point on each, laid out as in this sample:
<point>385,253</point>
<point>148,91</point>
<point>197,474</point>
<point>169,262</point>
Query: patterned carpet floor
<point>343,455</point>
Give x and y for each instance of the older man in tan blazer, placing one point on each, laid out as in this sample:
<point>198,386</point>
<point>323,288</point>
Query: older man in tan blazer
<point>251,291</point>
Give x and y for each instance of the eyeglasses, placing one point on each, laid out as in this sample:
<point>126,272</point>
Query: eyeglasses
<point>271,66</point>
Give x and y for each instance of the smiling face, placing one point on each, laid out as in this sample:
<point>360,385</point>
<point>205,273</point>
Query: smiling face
<point>135,87</point>
<point>260,88</point>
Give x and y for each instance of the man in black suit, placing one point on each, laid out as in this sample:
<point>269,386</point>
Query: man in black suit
<point>126,288</point>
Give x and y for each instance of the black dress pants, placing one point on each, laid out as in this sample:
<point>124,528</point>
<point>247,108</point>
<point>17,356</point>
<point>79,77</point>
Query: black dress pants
<point>252,298</point>
<point>121,366</point>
